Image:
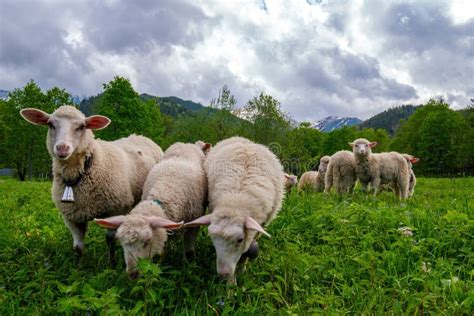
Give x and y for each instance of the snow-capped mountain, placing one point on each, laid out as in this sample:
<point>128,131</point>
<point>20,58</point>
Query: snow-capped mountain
<point>330,123</point>
<point>4,94</point>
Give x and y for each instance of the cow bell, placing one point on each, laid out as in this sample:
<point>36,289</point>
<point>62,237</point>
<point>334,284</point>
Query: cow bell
<point>68,195</point>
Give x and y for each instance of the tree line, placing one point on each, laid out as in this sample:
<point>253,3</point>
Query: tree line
<point>441,137</point>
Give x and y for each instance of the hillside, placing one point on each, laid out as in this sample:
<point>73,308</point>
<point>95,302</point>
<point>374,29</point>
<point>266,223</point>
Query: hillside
<point>389,120</point>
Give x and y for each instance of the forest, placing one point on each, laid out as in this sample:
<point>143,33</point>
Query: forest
<point>441,137</point>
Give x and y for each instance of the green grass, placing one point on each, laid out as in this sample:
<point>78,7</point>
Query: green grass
<point>328,255</point>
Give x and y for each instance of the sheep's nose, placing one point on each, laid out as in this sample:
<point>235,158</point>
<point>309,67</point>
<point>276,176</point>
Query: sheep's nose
<point>62,149</point>
<point>133,274</point>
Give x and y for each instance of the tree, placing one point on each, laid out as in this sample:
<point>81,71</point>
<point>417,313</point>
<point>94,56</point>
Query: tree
<point>304,147</point>
<point>339,139</point>
<point>270,124</point>
<point>25,144</point>
<point>225,100</point>
<point>437,135</point>
<point>129,114</point>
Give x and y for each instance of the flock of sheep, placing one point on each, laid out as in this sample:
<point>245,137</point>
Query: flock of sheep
<point>382,171</point>
<point>140,194</point>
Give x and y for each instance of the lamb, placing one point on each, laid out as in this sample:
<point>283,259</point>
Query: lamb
<point>290,181</point>
<point>93,178</point>
<point>175,191</point>
<point>341,173</point>
<point>411,187</point>
<point>245,193</point>
<point>314,180</point>
<point>382,168</point>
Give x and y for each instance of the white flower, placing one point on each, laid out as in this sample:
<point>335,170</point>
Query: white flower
<point>406,231</point>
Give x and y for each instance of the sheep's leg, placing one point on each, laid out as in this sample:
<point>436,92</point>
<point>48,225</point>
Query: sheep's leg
<point>375,184</point>
<point>110,240</point>
<point>78,232</point>
<point>364,186</point>
<point>190,236</point>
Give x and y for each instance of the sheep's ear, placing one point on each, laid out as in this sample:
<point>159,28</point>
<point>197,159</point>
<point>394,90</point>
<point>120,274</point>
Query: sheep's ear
<point>160,222</point>
<point>414,159</point>
<point>372,144</point>
<point>111,222</point>
<point>351,144</point>
<point>250,223</point>
<point>97,122</point>
<point>286,175</point>
<point>203,220</point>
<point>35,116</point>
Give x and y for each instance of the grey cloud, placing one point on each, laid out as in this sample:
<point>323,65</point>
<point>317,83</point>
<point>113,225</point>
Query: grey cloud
<point>141,25</point>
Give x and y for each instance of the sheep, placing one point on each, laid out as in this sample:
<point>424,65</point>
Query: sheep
<point>91,177</point>
<point>314,180</point>
<point>175,191</point>
<point>411,187</point>
<point>290,181</point>
<point>245,193</point>
<point>378,169</point>
<point>341,173</point>
<point>205,147</point>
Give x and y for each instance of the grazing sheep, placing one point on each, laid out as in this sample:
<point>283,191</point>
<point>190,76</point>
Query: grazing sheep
<point>411,187</point>
<point>93,178</point>
<point>382,168</point>
<point>341,172</point>
<point>290,181</point>
<point>205,147</point>
<point>175,191</point>
<point>312,180</point>
<point>411,160</point>
<point>245,193</point>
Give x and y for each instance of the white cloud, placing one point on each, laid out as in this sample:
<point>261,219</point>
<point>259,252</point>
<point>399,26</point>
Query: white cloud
<point>319,58</point>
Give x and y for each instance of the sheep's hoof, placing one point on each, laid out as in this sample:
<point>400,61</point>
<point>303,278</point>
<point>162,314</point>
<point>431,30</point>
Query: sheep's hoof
<point>190,255</point>
<point>79,250</point>
<point>252,253</point>
<point>133,275</point>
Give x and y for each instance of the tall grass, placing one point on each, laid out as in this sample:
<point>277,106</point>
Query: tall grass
<point>330,255</point>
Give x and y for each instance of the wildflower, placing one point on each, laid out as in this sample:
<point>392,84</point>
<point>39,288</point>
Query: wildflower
<point>425,267</point>
<point>406,231</point>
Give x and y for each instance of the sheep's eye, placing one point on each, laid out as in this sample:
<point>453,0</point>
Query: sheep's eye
<point>51,126</point>
<point>81,128</point>
<point>240,239</point>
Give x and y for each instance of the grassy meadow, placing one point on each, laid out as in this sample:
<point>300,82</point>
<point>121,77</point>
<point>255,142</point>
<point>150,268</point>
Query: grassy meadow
<point>327,255</point>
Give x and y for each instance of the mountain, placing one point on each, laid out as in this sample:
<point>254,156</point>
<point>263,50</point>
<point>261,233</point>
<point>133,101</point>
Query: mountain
<point>330,123</point>
<point>389,119</point>
<point>187,104</point>
<point>4,94</point>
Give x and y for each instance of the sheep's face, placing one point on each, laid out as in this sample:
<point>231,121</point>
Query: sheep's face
<point>323,165</point>
<point>231,238</point>
<point>68,129</point>
<point>362,147</point>
<point>139,240</point>
<point>230,241</point>
<point>290,181</point>
<point>140,236</point>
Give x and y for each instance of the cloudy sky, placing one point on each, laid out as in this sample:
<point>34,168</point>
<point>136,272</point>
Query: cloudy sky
<point>318,57</point>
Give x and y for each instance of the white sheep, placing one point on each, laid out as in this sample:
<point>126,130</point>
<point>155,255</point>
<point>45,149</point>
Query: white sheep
<point>412,183</point>
<point>314,180</point>
<point>341,172</point>
<point>245,193</point>
<point>93,178</point>
<point>175,191</point>
<point>377,169</point>
<point>290,181</point>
